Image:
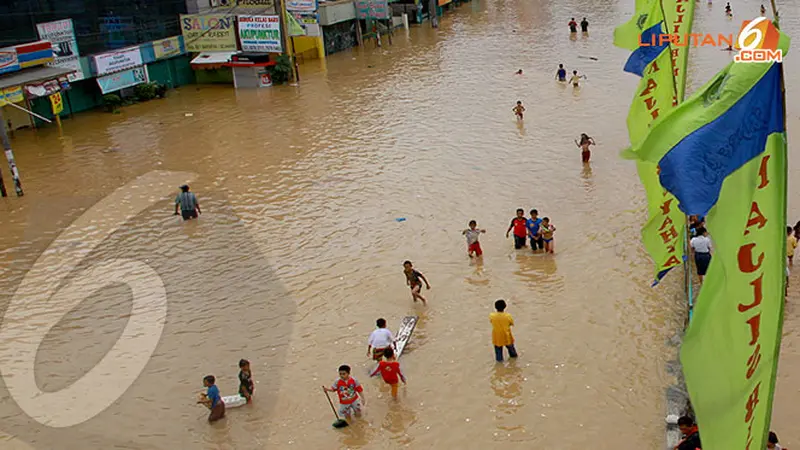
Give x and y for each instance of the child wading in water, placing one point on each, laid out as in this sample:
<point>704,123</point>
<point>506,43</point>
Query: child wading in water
<point>390,371</point>
<point>520,226</point>
<point>246,386</point>
<point>576,79</point>
<point>212,399</point>
<point>586,141</point>
<point>348,390</point>
<point>501,331</point>
<point>518,110</point>
<point>472,233</point>
<point>546,230</point>
<point>412,280</point>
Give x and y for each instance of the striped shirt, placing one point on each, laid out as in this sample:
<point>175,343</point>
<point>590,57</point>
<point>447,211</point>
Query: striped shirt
<point>187,200</point>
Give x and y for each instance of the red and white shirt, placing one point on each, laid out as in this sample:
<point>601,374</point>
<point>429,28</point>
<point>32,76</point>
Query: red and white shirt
<point>347,390</point>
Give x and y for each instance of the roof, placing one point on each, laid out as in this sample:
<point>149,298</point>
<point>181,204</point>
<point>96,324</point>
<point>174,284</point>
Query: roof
<point>218,58</point>
<point>32,75</point>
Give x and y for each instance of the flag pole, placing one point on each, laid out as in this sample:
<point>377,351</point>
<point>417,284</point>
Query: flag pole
<point>779,331</point>
<point>687,263</point>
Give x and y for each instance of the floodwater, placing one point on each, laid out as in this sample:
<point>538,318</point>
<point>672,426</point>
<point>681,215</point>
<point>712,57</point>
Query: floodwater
<point>298,251</point>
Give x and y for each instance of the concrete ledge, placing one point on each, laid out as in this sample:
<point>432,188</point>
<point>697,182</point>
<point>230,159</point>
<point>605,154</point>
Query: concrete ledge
<point>336,12</point>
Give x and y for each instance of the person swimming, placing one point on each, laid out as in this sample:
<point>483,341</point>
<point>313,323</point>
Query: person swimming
<point>561,73</point>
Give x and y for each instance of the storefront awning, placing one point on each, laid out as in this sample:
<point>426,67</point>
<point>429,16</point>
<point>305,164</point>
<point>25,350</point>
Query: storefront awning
<point>33,75</point>
<point>212,60</point>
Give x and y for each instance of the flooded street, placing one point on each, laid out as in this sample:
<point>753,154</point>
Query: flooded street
<point>298,249</point>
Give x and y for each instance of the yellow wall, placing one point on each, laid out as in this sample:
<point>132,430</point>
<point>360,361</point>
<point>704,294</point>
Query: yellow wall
<point>308,47</point>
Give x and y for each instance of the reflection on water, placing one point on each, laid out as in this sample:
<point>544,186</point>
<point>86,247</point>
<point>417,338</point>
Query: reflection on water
<point>298,250</point>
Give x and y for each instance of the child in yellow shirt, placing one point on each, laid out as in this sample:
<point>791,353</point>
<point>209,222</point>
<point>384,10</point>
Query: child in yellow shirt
<point>791,244</point>
<point>501,331</point>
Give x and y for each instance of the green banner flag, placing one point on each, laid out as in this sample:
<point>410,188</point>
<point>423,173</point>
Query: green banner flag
<point>663,234</point>
<point>711,101</point>
<point>679,15</point>
<point>627,35</point>
<point>295,29</point>
<point>730,351</point>
<point>722,154</point>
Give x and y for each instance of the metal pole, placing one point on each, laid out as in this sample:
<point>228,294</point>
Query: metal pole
<point>359,36</point>
<point>432,13</point>
<point>282,14</point>
<point>294,59</point>
<point>10,157</point>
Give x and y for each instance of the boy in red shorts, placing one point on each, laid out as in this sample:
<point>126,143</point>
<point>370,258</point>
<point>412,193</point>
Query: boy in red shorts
<point>472,234</point>
<point>390,371</point>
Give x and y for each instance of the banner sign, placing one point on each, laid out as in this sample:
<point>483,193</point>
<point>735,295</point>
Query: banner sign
<point>117,61</point>
<point>57,103</point>
<point>679,16</point>
<point>167,48</point>
<point>263,6</point>
<point>208,33</point>
<point>12,95</point>
<point>34,54</point>
<point>301,5</point>
<point>8,60</point>
<point>122,80</point>
<point>260,33</point>
<point>372,9</point>
<point>61,35</point>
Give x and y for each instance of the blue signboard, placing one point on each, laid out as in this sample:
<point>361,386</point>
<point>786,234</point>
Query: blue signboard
<point>121,80</point>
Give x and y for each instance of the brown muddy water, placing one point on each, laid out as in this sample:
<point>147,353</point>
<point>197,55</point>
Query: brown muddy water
<point>298,252</point>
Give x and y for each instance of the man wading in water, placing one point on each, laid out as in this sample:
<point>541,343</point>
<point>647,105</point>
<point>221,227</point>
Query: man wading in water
<point>188,204</point>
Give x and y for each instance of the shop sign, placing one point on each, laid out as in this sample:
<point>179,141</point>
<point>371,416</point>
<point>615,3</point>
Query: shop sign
<point>117,61</point>
<point>167,48</point>
<point>208,33</point>
<point>61,35</point>
<point>8,60</point>
<point>372,9</point>
<point>57,103</point>
<point>301,5</point>
<point>260,34</point>
<point>12,95</point>
<point>122,80</point>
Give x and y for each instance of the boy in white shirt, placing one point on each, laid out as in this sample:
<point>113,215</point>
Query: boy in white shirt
<point>380,340</point>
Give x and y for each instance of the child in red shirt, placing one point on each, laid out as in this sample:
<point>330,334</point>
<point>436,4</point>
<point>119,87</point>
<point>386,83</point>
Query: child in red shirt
<point>390,371</point>
<point>520,226</point>
<point>348,389</point>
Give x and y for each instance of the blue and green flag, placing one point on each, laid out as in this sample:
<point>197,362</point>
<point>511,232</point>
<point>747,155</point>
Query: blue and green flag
<point>723,152</point>
<point>663,234</point>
